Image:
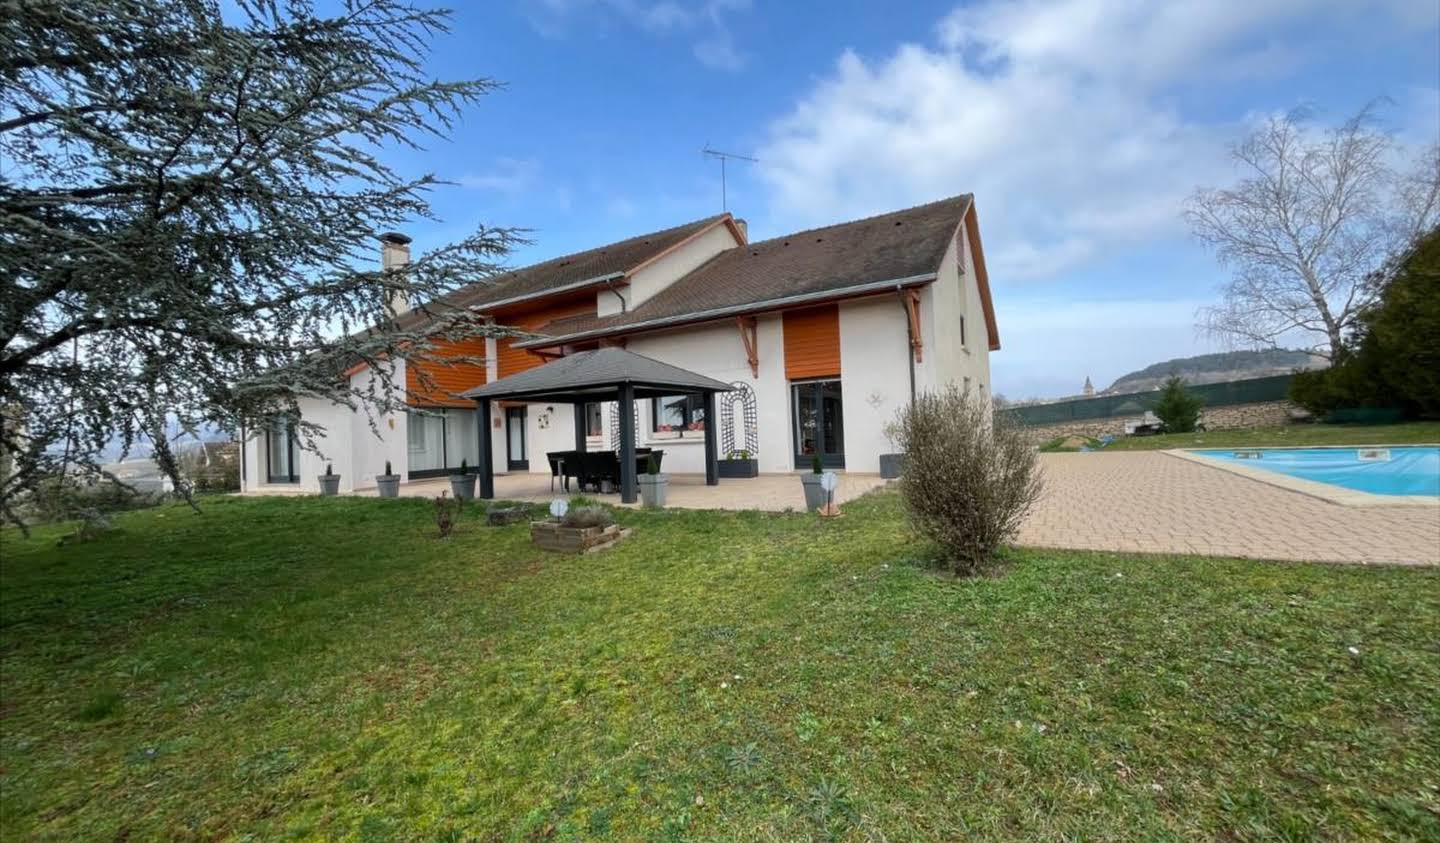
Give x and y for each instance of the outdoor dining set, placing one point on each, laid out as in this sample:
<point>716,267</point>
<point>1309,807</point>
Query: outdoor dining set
<point>597,471</point>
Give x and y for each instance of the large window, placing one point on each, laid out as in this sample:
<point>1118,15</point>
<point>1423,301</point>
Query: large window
<point>438,440</point>
<point>678,414</point>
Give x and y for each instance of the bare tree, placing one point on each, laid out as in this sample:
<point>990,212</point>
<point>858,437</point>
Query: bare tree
<point>1314,217</point>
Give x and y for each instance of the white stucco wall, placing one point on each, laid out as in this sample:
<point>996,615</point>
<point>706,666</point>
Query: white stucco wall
<point>874,376</point>
<point>660,274</point>
<point>348,445</point>
<point>716,351</point>
<point>956,293</point>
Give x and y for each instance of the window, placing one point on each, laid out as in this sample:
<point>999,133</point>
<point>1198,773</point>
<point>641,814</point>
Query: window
<point>962,330</point>
<point>594,420</point>
<point>677,413</point>
<point>966,390</point>
<point>438,440</point>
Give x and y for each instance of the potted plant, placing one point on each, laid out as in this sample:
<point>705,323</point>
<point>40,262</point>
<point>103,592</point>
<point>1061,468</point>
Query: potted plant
<point>891,464</point>
<point>814,492</point>
<point>653,484</point>
<point>739,463</point>
<point>462,484</point>
<point>388,484</point>
<point>329,481</point>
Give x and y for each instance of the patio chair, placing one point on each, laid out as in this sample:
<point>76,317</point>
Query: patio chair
<point>597,467</point>
<point>557,460</point>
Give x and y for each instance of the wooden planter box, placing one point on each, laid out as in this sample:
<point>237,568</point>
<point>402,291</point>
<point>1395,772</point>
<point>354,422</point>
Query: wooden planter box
<point>551,535</point>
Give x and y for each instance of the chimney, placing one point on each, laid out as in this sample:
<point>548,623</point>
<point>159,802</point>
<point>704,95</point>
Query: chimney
<point>395,253</point>
<point>744,229</point>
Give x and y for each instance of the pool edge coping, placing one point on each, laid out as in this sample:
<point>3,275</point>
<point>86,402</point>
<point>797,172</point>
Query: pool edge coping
<point>1311,488</point>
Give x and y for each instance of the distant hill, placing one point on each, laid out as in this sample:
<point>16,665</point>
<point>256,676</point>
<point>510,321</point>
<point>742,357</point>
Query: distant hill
<point>1214,368</point>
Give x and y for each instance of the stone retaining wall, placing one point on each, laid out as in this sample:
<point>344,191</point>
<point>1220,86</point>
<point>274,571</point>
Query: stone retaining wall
<point>1237,416</point>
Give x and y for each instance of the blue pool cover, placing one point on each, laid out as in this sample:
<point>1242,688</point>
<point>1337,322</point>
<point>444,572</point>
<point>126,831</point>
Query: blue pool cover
<point>1406,471</point>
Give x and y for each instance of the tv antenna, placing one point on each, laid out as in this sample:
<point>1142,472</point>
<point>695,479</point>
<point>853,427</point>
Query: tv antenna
<point>723,156</point>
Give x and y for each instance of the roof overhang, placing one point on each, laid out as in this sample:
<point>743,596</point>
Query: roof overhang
<point>781,303</point>
<point>597,281</point>
<point>982,276</point>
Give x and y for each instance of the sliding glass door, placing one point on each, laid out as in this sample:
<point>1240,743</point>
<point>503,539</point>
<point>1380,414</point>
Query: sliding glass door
<point>819,423</point>
<point>281,462</point>
<point>439,440</point>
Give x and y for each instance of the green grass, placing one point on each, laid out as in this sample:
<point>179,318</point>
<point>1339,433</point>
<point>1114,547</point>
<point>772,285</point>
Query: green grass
<point>324,668</point>
<point>1407,433</point>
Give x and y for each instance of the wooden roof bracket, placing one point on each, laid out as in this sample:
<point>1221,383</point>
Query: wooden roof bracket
<point>748,329</point>
<point>911,299</point>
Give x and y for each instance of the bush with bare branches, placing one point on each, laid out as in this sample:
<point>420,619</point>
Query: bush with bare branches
<point>970,475</point>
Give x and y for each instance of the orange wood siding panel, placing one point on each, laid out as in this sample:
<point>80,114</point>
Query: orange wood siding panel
<point>812,342</point>
<point>444,381</point>
<point>510,360</point>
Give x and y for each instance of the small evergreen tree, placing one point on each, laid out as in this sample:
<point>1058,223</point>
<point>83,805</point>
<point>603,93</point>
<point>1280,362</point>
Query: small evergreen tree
<point>1178,408</point>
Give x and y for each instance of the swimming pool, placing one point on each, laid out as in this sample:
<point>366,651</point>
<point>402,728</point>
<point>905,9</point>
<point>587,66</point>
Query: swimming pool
<point>1411,470</point>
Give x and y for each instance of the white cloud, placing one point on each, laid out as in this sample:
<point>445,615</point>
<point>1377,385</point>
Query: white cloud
<point>704,19</point>
<point>510,176</point>
<point>1060,116</point>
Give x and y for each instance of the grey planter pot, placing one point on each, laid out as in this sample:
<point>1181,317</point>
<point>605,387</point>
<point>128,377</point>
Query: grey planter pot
<point>814,493</point>
<point>329,484</point>
<point>388,485</point>
<point>652,489</point>
<point>462,486</point>
<point>739,468</point>
<point>891,465</point>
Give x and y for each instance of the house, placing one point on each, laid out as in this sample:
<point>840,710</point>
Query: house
<point>824,334</point>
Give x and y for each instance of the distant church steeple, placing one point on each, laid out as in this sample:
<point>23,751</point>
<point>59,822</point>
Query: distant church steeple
<point>1089,387</point>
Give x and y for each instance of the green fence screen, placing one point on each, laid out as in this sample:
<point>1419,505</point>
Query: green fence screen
<point>1229,393</point>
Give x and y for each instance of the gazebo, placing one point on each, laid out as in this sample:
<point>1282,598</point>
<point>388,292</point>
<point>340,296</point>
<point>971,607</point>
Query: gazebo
<point>604,374</point>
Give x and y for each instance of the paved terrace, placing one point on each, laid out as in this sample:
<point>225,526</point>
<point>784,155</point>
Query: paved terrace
<point>1153,502</point>
<point>774,492</point>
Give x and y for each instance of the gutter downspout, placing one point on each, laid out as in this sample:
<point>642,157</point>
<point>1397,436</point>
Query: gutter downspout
<point>909,338</point>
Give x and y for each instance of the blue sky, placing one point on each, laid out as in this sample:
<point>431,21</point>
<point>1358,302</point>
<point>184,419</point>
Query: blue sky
<point>1079,125</point>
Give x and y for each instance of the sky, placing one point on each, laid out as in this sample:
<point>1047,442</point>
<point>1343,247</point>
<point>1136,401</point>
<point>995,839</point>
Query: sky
<point>1080,125</point>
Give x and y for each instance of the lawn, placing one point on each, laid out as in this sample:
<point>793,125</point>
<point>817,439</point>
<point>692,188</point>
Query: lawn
<point>326,668</point>
<point>1295,435</point>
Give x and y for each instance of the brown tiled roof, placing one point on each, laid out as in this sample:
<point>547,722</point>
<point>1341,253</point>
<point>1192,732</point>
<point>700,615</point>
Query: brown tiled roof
<point>897,245</point>
<point>556,273</point>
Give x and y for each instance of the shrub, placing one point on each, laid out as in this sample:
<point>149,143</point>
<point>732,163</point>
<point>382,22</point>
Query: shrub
<point>970,475</point>
<point>1178,408</point>
<point>588,516</point>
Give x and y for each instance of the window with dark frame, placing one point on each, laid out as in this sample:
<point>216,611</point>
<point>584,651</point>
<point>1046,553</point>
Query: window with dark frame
<point>594,420</point>
<point>962,330</point>
<point>677,414</point>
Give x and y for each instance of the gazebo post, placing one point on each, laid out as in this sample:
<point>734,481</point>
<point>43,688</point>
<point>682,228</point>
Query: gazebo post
<point>580,426</point>
<point>712,424</point>
<point>487,458</point>
<point>627,443</point>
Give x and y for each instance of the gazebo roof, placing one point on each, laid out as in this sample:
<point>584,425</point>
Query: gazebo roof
<point>597,376</point>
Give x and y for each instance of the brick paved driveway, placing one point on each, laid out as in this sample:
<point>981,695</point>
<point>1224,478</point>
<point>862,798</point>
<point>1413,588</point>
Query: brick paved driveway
<point>1156,503</point>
